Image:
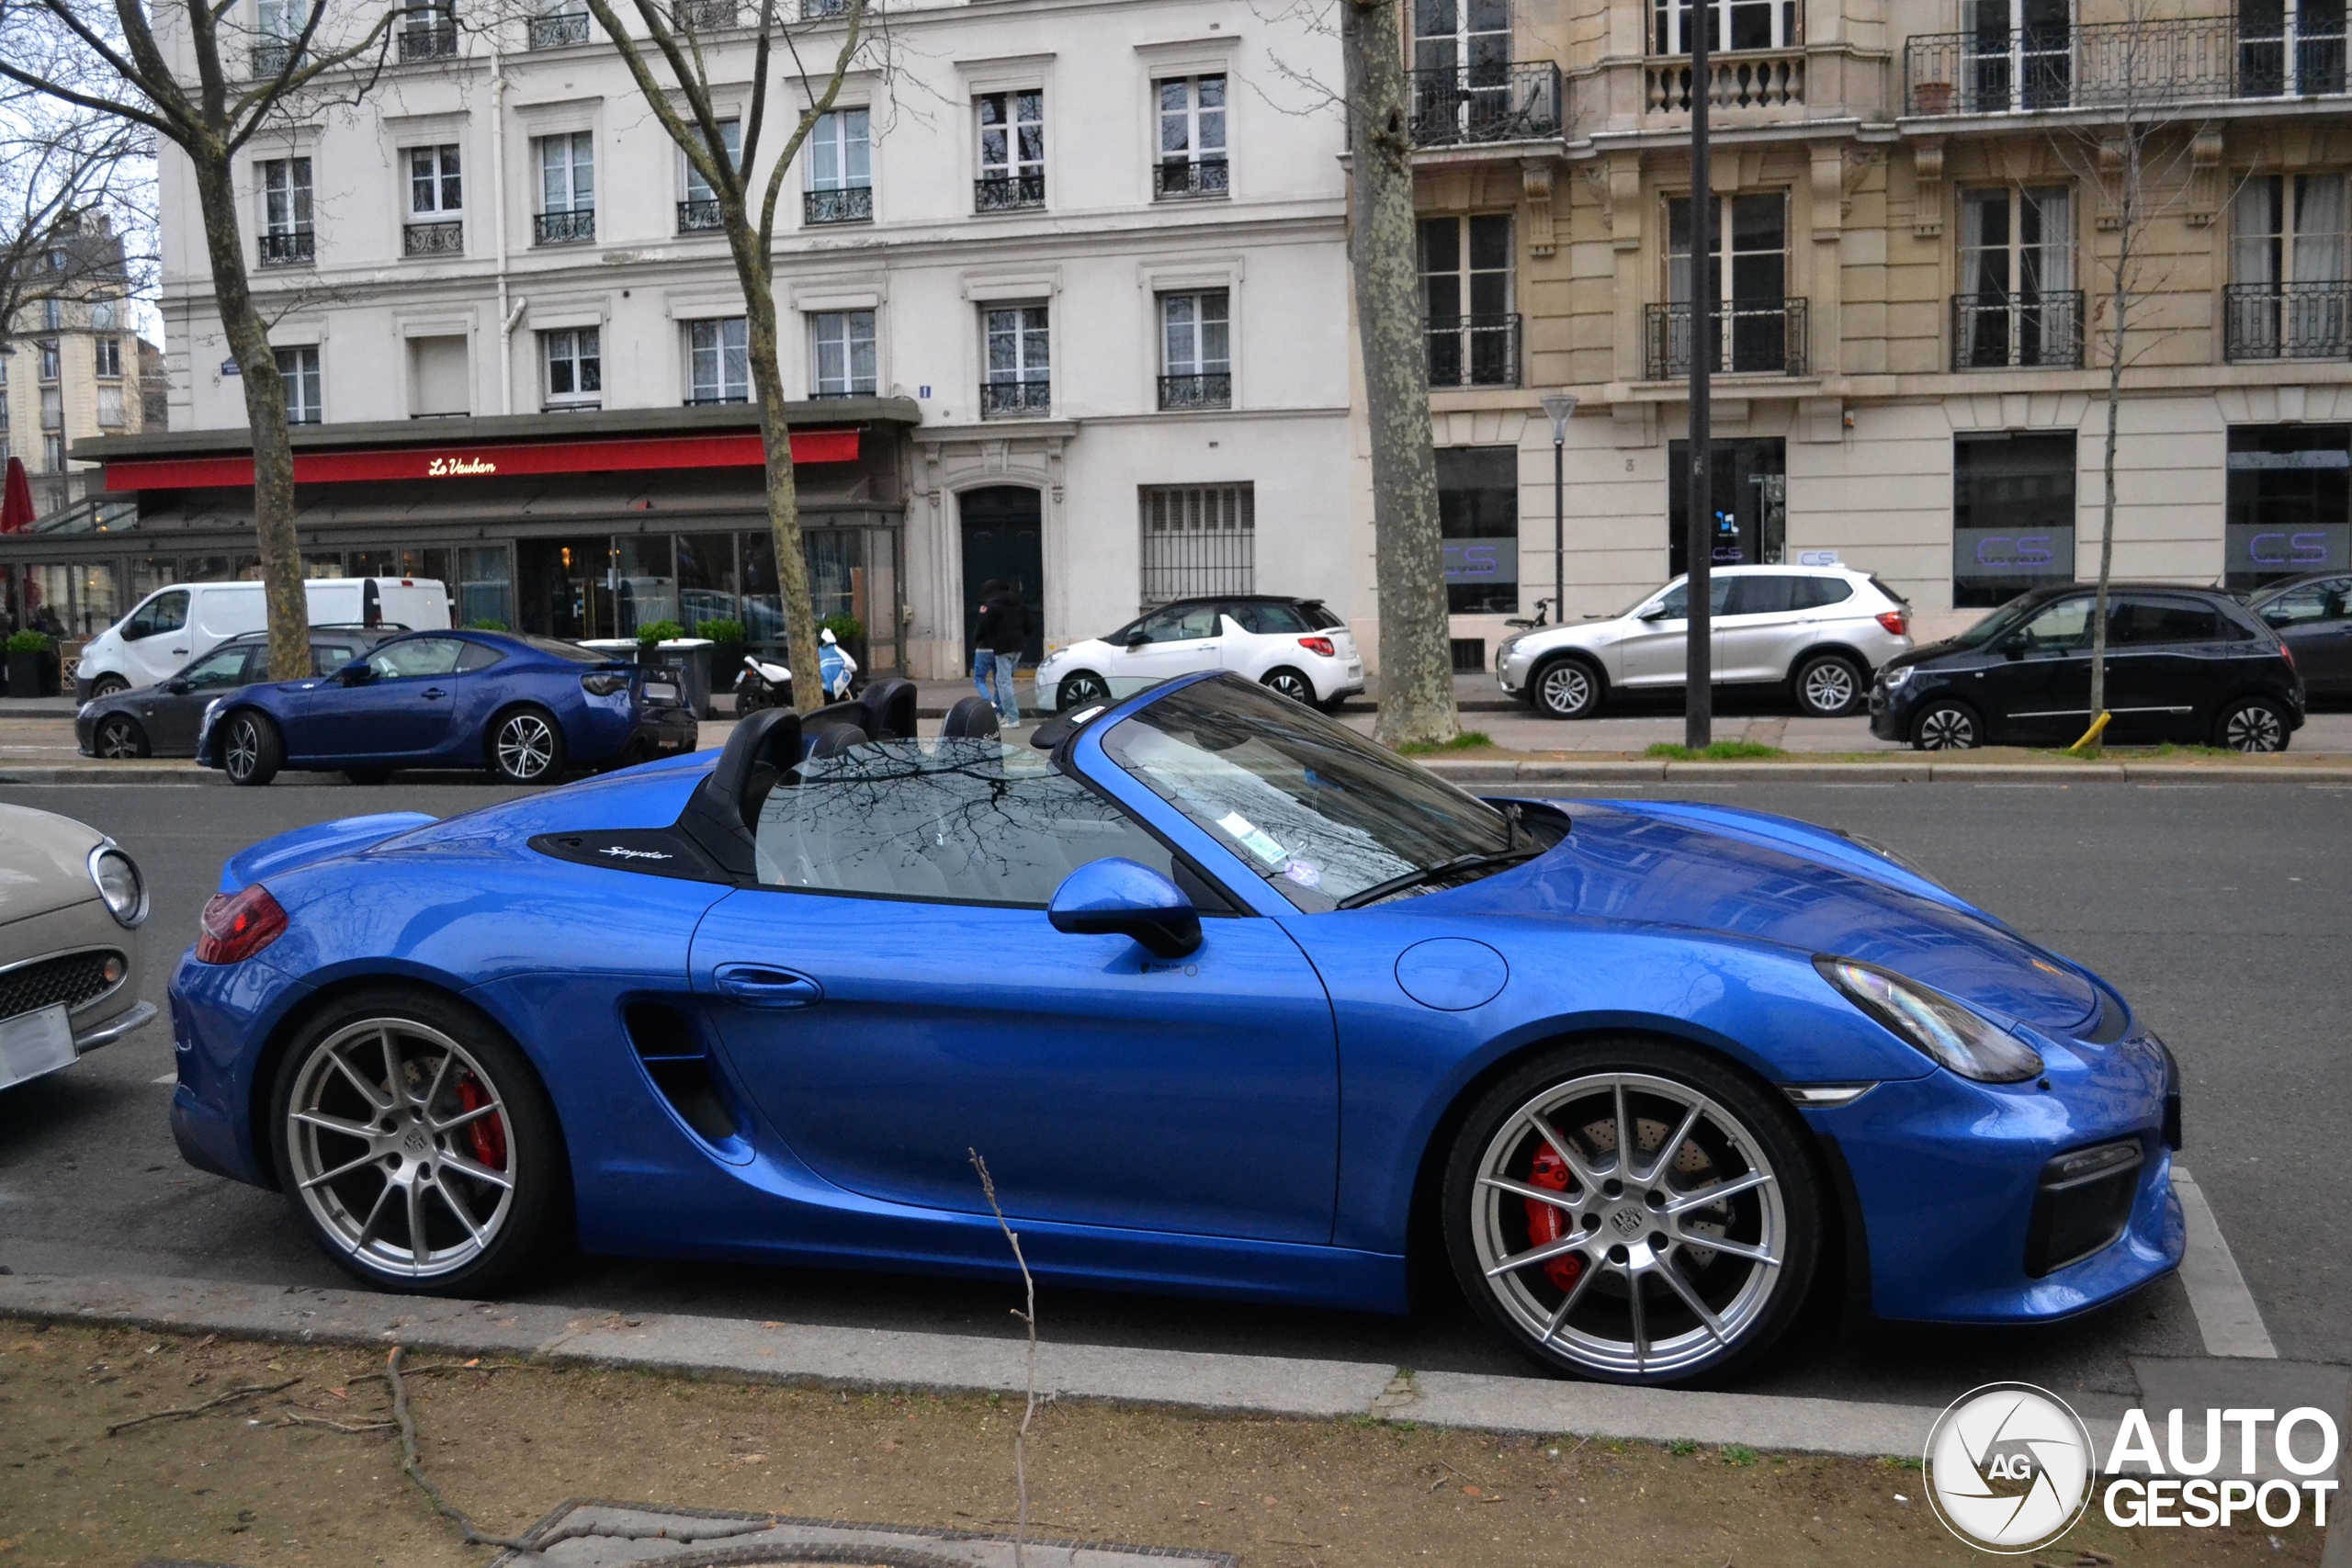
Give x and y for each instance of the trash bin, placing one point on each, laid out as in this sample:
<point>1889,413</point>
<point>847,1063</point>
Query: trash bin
<point>690,657</point>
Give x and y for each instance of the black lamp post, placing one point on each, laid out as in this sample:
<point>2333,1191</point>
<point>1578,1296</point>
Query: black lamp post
<point>1699,695</point>
<point>1559,406</point>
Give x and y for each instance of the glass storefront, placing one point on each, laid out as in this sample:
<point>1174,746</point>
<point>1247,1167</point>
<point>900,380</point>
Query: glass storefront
<point>2012,516</point>
<point>2289,502</point>
<point>1749,490</point>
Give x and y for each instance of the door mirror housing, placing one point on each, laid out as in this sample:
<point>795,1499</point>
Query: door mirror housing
<point>355,673</point>
<point>1122,897</point>
<point>1655,613</point>
<point>179,685</point>
<point>1138,639</point>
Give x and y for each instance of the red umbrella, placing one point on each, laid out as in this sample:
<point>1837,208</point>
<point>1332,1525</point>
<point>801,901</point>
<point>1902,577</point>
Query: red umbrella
<point>17,504</point>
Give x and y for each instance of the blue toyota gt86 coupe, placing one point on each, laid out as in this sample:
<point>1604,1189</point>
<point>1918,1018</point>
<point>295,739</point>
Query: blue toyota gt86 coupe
<point>525,707</point>
<point>1233,1002</point>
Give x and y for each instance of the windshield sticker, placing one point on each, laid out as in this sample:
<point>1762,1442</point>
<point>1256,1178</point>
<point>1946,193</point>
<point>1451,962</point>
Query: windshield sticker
<point>1251,838</point>
<point>1305,873</point>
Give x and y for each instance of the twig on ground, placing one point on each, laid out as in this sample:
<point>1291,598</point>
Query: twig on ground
<point>295,1419</point>
<point>414,1470</point>
<point>1029,1319</point>
<point>231,1397</point>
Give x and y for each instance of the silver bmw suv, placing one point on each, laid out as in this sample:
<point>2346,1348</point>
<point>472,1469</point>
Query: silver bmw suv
<point>1820,631</point>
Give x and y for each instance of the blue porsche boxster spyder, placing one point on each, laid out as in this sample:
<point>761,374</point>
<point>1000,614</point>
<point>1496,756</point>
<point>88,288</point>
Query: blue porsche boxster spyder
<point>1232,1001</point>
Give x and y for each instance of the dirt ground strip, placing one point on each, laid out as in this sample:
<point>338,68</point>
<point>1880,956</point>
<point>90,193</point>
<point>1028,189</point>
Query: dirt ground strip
<point>310,1472</point>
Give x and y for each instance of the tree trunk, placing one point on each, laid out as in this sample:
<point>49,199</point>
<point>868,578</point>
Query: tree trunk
<point>784,491</point>
<point>2119,301</point>
<point>281,555</point>
<point>1416,658</point>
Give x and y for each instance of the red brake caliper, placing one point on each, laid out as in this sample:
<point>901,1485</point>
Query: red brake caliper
<point>1547,1225</point>
<point>489,1134</point>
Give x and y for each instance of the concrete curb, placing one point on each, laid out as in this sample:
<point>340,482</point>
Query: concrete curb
<point>1644,771</point>
<point>687,1346</point>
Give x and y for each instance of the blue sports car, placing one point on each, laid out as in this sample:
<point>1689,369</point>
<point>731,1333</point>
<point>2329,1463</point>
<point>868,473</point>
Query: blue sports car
<point>526,707</point>
<point>1232,1001</point>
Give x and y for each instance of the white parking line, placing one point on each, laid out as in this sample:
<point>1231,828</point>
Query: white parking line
<point>2226,1314</point>
<point>168,1077</point>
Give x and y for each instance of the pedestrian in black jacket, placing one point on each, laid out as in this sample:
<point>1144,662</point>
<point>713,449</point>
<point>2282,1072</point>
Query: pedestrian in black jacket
<point>997,642</point>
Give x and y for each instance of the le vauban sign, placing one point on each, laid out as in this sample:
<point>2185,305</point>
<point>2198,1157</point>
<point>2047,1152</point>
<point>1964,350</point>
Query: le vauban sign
<point>461,463</point>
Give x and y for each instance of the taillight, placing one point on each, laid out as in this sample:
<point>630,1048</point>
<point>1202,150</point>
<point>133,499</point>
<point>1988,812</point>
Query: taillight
<point>605,685</point>
<point>238,925</point>
<point>1319,646</point>
<point>1896,621</point>
<point>2287,649</point>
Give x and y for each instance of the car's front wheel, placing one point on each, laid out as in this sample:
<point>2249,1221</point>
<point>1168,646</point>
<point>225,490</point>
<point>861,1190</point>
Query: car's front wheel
<point>1829,685</point>
<point>1291,684</point>
<point>2252,723</point>
<point>251,750</point>
<point>1567,688</point>
<point>1633,1210</point>
<point>107,686</point>
<point>417,1146</point>
<point>526,746</point>
<point>118,736</point>
<point>1081,688</point>
<point>1947,726</point>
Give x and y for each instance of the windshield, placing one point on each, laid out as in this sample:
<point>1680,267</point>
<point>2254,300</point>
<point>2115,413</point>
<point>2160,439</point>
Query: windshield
<point>1996,624</point>
<point>1313,807</point>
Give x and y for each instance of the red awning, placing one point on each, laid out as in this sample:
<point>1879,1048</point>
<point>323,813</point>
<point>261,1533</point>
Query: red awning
<point>732,451</point>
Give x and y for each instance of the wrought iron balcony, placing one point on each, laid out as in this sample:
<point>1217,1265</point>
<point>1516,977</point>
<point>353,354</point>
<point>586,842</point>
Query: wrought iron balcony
<point>1007,193</point>
<point>2008,333</point>
<point>1016,400</point>
<point>847,204</point>
<point>822,10</point>
<point>271,58</point>
<point>699,215</point>
<point>1484,103</point>
<point>706,15</point>
<point>2288,321</point>
<point>445,238</point>
<point>289,247</point>
<point>1752,337</point>
<point>2119,65</point>
<point>1177,178</point>
<point>437,41</point>
<point>1473,351</point>
<point>1212,390</point>
<point>575,227</point>
<point>556,31</point>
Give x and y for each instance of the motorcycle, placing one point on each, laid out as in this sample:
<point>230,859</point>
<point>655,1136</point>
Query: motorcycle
<point>761,684</point>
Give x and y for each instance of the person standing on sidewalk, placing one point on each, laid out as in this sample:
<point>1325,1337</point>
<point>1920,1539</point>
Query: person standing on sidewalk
<point>1003,633</point>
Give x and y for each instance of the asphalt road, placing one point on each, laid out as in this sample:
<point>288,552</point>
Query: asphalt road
<point>2222,911</point>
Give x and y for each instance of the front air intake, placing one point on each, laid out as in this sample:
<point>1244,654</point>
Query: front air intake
<point>677,1059</point>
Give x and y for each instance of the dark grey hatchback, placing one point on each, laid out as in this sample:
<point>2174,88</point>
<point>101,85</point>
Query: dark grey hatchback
<point>2187,665</point>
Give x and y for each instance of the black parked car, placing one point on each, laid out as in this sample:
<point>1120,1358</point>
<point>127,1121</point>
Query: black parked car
<point>2312,615</point>
<point>2190,665</point>
<point>161,720</point>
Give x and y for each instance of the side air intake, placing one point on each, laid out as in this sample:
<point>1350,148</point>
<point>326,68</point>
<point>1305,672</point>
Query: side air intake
<point>675,1056</point>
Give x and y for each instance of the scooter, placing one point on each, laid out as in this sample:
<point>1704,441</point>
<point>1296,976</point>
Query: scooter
<point>836,670</point>
<point>761,684</point>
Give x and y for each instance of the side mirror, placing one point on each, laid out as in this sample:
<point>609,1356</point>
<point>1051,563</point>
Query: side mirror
<point>1137,639</point>
<point>1120,898</point>
<point>355,673</point>
<point>179,685</point>
<point>2013,645</point>
<point>1656,612</point>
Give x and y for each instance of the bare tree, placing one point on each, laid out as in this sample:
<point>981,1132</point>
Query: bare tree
<point>185,71</point>
<point>69,180</point>
<point>745,196</point>
<point>1416,655</point>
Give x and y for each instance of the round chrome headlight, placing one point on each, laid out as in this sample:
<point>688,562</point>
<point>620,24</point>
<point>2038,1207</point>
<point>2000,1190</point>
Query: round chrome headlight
<point>120,887</point>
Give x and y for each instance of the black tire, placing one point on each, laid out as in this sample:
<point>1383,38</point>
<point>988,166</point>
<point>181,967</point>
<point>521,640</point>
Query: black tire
<point>526,746</point>
<point>368,777</point>
<point>2252,725</point>
<point>1591,1318</point>
<point>1290,683</point>
<point>106,686</point>
<point>251,748</point>
<point>1829,685</point>
<point>1945,725</point>
<point>1081,688</point>
<point>1567,687</point>
<point>116,737</point>
<point>402,1146</point>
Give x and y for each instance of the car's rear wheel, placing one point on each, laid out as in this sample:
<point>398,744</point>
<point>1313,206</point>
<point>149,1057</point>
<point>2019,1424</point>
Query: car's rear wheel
<point>417,1146</point>
<point>1829,685</point>
<point>106,686</point>
<point>1081,688</point>
<point>118,736</point>
<point>1566,688</point>
<point>1633,1210</point>
<point>1947,726</point>
<point>526,746</point>
<point>1290,683</point>
<point>2252,723</point>
<point>251,750</point>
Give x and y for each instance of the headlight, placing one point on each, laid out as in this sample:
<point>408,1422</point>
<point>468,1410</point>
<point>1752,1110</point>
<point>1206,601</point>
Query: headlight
<point>119,885</point>
<point>1940,1027</point>
<point>1897,678</point>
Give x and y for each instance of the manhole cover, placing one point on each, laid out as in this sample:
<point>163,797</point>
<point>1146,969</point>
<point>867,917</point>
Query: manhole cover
<point>589,1533</point>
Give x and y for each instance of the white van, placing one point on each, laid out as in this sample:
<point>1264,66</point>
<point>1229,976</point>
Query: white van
<point>187,620</point>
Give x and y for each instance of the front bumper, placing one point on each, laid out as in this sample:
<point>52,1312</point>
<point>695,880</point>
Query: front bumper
<point>85,739</point>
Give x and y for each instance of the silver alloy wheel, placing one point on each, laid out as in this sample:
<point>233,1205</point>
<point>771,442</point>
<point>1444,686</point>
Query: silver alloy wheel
<point>1566,688</point>
<point>1947,729</point>
<point>1829,687</point>
<point>1291,684</point>
<point>526,747</point>
<point>402,1148</point>
<point>2254,727</point>
<point>242,754</point>
<point>1675,1245</point>
<point>117,738</point>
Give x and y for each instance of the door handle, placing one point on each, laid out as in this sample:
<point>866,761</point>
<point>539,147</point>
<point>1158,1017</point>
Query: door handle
<point>432,693</point>
<point>765,986</point>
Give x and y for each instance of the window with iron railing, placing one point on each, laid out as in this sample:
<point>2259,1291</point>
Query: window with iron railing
<point>286,237</point>
<point>1017,353</point>
<point>2017,306</point>
<point>1198,541</point>
<point>2290,261</point>
<point>840,162</point>
<point>1197,350</point>
<point>1191,138</point>
<point>1466,299</point>
<point>699,210</point>
<point>1759,330</point>
<point>557,27</point>
<point>1012,150</point>
<point>567,212</point>
<point>706,16</point>
<point>1495,103</point>
<point>428,30</point>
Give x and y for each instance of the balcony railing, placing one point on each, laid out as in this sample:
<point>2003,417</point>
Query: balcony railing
<point>1177,178</point>
<point>1016,400</point>
<point>1006,193</point>
<point>1473,351</point>
<point>437,42</point>
<point>572,228</point>
<point>1210,389</point>
<point>861,389</point>
<point>2013,333</point>
<point>821,10</point>
<point>445,238</point>
<point>699,215</point>
<point>2288,321</point>
<point>554,32</point>
<point>706,15</point>
<point>289,247</point>
<point>271,58</point>
<point>2119,65</point>
<point>848,204</point>
<point>1752,337</point>
<point>1484,104</point>
<point>1749,79</point>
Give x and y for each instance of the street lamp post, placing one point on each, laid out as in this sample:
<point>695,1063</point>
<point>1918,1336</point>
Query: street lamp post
<point>1559,405</point>
<point>1699,693</point>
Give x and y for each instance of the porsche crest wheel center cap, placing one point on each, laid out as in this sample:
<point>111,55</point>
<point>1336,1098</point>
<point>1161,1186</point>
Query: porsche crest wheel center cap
<point>1628,1223</point>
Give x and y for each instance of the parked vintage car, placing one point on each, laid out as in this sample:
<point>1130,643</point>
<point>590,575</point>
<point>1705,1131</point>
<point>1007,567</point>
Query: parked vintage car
<point>70,905</point>
<point>162,720</point>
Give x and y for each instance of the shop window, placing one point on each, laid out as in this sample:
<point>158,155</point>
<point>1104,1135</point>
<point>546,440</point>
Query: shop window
<point>1747,488</point>
<point>485,587</point>
<point>1477,509</point>
<point>706,584</point>
<point>2289,502</point>
<point>1198,539</point>
<point>645,584</point>
<point>2012,516</point>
